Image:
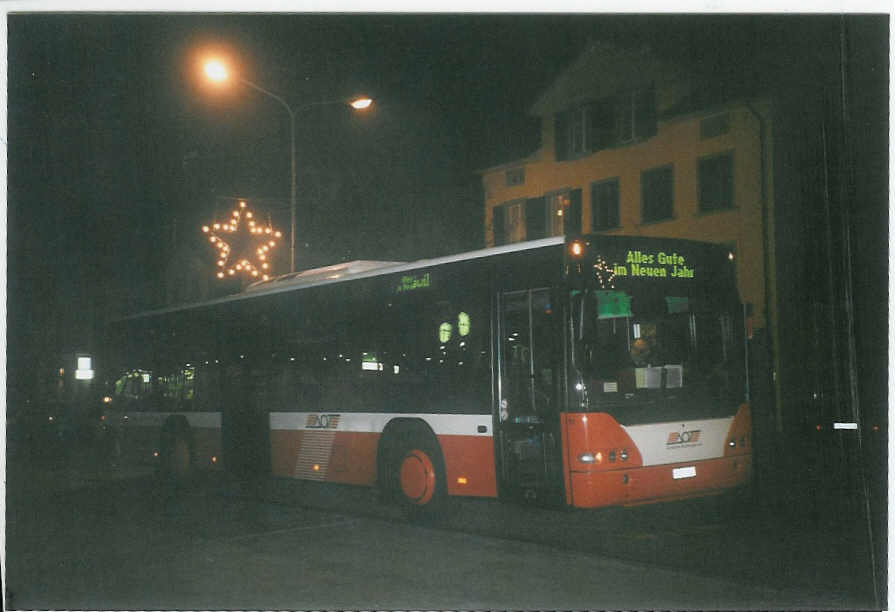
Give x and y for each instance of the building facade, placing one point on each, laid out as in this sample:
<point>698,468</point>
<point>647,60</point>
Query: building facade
<point>627,149</point>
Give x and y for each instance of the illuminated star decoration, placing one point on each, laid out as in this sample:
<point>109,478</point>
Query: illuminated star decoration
<point>604,273</point>
<point>243,248</point>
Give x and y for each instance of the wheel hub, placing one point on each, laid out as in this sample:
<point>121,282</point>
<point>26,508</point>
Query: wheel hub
<point>417,477</point>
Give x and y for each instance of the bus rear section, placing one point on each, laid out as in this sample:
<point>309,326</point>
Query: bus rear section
<point>657,391</point>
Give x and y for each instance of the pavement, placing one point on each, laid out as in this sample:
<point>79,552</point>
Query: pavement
<point>817,558</point>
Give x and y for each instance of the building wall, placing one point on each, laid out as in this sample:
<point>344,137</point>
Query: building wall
<point>678,143</point>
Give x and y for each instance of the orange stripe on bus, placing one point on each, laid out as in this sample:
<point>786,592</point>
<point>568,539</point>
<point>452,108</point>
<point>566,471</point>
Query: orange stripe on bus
<point>643,485</point>
<point>471,457</point>
<point>350,458</point>
<point>207,444</point>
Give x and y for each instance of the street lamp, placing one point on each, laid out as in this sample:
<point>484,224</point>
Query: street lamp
<point>217,72</point>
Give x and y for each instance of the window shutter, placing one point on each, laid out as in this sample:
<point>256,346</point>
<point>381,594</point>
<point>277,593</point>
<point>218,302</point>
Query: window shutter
<point>645,113</point>
<point>499,225</point>
<point>572,217</point>
<point>601,124</point>
<point>535,218</point>
<point>561,135</point>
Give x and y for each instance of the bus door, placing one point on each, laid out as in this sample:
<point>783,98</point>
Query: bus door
<point>530,361</point>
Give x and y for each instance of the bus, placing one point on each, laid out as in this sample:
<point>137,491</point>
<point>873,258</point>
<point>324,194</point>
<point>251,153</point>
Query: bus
<point>586,371</point>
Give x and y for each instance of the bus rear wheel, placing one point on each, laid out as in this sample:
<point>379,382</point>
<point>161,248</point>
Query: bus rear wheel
<point>416,475</point>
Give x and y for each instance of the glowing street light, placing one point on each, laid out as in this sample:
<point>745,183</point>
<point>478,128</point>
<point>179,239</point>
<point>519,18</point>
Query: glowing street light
<point>217,72</point>
<point>361,103</point>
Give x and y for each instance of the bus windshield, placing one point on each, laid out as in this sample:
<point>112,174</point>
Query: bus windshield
<point>636,353</point>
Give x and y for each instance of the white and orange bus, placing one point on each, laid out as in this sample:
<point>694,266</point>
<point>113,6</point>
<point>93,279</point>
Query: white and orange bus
<point>595,371</point>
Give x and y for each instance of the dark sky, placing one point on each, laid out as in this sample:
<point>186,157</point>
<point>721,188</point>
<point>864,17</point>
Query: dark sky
<point>118,153</point>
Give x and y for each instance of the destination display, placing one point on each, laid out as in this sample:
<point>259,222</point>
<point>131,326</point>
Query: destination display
<point>656,264</point>
<point>614,261</point>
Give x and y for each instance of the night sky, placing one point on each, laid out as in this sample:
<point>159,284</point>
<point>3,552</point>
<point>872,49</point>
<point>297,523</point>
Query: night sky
<point>118,152</point>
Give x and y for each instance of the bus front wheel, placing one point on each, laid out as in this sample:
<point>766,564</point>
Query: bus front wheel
<point>416,475</point>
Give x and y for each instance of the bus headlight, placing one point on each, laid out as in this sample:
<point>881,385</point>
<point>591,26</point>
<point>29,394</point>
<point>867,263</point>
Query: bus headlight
<point>586,458</point>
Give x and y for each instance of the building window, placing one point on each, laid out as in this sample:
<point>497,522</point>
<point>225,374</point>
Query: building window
<point>716,182</point>
<point>508,223</point>
<point>605,123</point>
<point>713,126</point>
<point>557,207</point>
<point>564,212</point>
<point>657,193</point>
<point>604,205</point>
<point>636,115</point>
<point>515,176</point>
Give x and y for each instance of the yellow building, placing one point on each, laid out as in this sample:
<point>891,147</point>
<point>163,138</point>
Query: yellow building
<point>625,149</point>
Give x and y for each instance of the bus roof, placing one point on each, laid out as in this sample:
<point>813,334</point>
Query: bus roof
<point>346,271</point>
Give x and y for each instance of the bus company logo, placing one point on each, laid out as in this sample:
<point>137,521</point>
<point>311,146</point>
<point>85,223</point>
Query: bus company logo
<point>322,421</point>
<point>680,438</point>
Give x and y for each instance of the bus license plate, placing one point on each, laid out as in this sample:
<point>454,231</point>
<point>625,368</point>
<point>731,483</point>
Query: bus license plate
<point>684,472</point>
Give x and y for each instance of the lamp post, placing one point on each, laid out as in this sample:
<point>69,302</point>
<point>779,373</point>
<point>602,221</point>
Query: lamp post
<point>217,72</point>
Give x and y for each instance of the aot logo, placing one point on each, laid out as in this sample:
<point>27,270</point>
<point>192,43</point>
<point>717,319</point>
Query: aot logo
<point>676,438</point>
<point>322,421</point>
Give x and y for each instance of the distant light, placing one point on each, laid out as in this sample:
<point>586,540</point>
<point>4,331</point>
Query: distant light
<point>216,71</point>
<point>845,425</point>
<point>214,459</point>
<point>316,467</point>
<point>731,256</point>
<point>85,369</point>
<point>577,249</point>
<point>107,400</point>
<point>361,103</point>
